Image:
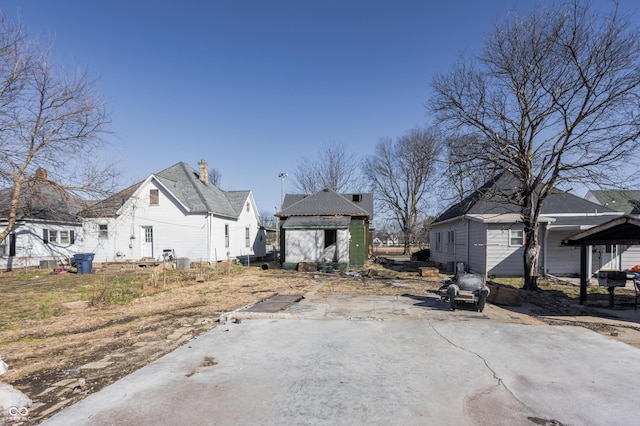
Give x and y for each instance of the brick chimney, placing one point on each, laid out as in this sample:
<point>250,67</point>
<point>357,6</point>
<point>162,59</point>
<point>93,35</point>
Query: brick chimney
<point>204,172</point>
<point>41,174</point>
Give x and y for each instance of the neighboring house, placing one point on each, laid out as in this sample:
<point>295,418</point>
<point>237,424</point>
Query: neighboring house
<point>486,233</point>
<point>47,230</point>
<point>176,211</point>
<point>626,201</point>
<point>326,228</point>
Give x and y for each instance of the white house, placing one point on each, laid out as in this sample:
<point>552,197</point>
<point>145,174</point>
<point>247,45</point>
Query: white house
<point>47,230</point>
<point>486,233</point>
<point>175,211</point>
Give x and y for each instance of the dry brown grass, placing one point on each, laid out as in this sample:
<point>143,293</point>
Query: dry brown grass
<point>50,324</point>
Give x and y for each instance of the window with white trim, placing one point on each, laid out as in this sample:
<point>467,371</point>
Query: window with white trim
<point>49,236</point>
<point>103,230</point>
<point>516,237</point>
<point>226,236</point>
<point>247,237</point>
<point>438,245</point>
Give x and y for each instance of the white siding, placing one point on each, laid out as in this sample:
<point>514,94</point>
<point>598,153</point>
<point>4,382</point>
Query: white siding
<point>446,253</point>
<point>630,256</point>
<point>30,248</point>
<point>303,245</point>
<point>477,246</point>
<point>199,237</point>
<point>503,259</point>
<point>307,245</point>
<point>561,260</point>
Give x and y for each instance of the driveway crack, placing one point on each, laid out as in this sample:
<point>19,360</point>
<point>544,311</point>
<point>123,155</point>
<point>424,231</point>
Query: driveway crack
<point>500,382</point>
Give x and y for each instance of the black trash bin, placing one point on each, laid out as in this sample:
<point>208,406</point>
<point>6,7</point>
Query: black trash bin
<point>84,262</point>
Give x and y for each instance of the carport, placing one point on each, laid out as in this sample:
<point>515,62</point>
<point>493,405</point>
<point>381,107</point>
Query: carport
<point>622,230</point>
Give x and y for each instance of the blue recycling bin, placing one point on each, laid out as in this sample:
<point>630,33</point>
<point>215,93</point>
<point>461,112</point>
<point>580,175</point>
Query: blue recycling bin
<point>84,262</point>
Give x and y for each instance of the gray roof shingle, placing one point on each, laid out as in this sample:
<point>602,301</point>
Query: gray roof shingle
<point>327,202</point>
<point>184,183</point>
<point>43,200</point>
<point>627,201</point>
<point>486,201</point>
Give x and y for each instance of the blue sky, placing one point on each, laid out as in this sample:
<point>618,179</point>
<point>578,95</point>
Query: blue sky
<point>252,87</point>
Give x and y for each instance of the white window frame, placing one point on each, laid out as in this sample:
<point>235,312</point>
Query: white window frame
<point>247,237</point>
<point>516,237</point>
<point>226,236</point>
<point>103,230</point>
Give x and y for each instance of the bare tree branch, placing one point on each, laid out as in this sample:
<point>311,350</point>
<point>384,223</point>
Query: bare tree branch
<point>554,98</point>
<point>400,173</point>
<point>50,120</point>
<point>332,167</point>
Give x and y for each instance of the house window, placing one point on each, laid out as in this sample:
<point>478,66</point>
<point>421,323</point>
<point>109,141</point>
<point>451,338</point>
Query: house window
<point>516,237</point>
<point>148,234</point>
<point>451,242</point>
<point>248,207</point>
<point>154,197</point>
<point>247,237</point>
<point>103,231</point>
<point>226,236</point>
<point>49,236</point>
<point>11,238</point>
<point>64,237</point>
<point>356,198</point>
<point>438,245</point>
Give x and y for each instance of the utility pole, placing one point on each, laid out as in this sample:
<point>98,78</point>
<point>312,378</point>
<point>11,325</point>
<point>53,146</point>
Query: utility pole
<point>282,176</point>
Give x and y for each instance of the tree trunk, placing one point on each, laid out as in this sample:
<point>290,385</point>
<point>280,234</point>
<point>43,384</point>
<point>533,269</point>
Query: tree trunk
<point>531,256</point>
<point>407,242</point>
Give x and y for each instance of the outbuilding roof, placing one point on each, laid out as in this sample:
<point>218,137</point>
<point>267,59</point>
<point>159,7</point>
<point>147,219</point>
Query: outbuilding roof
<point>327,202</point>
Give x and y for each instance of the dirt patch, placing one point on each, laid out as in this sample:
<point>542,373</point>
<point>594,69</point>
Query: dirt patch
<point>63,343</point>
<point>67,336</point>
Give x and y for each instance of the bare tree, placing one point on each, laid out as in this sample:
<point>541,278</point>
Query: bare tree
<point>333,167</point>
<point>215,177</point>
<point>553,98</point>
<point>49,120</point>
<point>400,173</point>
<point>463,173</point>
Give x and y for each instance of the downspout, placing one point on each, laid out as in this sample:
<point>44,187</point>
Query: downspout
<point>468,246</point>
<point>545,247</point>
<point>209,238</point>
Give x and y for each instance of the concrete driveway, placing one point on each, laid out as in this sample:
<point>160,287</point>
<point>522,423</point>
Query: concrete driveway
<point>381,361</point>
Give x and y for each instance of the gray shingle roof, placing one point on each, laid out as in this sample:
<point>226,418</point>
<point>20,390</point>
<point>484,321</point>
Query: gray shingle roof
<point>486,201</point>
<point>627,201</point>
<point>43,200</point>
<point>327,202</point>
<point>185,184</point>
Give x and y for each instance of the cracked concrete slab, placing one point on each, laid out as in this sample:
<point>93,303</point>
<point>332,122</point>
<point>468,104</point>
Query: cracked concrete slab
<point>378,360</point>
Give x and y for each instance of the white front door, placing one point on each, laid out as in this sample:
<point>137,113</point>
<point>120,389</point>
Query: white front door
<point>147,241</point>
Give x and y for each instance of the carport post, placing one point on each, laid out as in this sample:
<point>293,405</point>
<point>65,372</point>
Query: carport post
<point>583,273</point>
